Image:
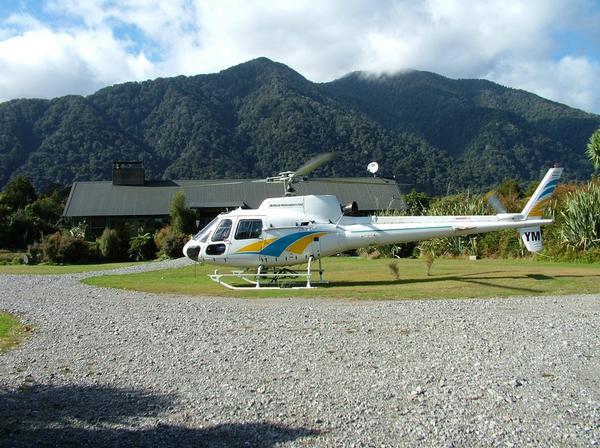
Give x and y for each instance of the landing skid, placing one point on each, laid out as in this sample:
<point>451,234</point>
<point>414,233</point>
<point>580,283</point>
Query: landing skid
<point>272,280</point>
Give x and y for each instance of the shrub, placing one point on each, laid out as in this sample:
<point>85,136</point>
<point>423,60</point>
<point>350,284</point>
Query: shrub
<point>429,257</point>
<point>51,246</point>
<point>36,253</point>
<point>501,244</point>
<point>79,230</point>
<point>61,247</point>
<point>370,252</point>
<point>394,269</point>
<point>456,245</point>
<point>142,247</point>
<point>109,244</point>
<point>73,250</point>
<point>173,245</point>
<point>161,235</point>
<point>94,253</point>
<point>169,242</point>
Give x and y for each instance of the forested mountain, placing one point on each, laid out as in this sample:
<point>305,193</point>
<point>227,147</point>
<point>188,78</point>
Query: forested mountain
<point>261,117</point>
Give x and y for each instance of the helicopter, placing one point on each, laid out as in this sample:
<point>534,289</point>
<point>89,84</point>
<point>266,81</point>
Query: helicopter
<point>293,230</point>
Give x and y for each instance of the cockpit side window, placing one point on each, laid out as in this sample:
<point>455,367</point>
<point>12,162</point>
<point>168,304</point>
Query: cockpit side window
<point>223,230</point>
<point>248,229</point>
<point>203,234</point>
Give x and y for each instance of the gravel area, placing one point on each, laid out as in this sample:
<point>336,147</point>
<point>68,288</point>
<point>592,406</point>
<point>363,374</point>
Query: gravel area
<point>107,367</point>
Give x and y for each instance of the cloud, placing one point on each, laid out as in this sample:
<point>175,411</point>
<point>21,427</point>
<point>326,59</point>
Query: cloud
<point>570,80</point>
<point>91,43</point>
<point>42,62</point>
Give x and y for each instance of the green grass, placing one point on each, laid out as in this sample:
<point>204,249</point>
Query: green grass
<point>60,269</point>
<point>359,278</point>
<point>11,331</point>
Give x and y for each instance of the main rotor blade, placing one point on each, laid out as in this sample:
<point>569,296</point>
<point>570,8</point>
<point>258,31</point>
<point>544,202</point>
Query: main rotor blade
<point>218,184</point>
<point>312,164</point>
<point>386,183</point>
<point>495,203</point>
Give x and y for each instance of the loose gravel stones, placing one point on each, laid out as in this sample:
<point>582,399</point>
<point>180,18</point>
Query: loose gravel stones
<point>121,368</point>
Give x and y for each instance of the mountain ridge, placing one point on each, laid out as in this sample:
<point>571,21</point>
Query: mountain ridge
<point>261,117</point>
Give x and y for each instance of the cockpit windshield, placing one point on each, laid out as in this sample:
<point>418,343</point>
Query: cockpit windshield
<point>203,234</point>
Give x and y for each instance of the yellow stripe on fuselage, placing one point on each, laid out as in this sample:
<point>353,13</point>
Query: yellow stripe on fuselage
<point>300,246</point>
<point>256,247</point>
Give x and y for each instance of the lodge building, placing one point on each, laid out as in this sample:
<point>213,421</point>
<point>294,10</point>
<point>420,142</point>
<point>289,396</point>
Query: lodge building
<point>129,197</point>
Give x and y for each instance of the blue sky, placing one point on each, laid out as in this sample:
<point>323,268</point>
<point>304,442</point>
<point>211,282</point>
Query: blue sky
<point>50,48</point>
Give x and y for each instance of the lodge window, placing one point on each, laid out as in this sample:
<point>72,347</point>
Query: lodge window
<point>223,230</point>
<point>248,229</point>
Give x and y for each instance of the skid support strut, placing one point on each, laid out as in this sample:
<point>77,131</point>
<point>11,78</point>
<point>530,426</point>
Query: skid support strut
<point>256,281</point>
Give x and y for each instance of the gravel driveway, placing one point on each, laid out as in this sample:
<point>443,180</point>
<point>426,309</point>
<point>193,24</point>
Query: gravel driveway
<point>117,368</point>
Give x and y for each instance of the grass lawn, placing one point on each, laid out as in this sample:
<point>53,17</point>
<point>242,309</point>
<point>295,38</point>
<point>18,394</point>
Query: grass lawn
<point>11,331</point>
<point>359,278</point>
<point>59,269</point>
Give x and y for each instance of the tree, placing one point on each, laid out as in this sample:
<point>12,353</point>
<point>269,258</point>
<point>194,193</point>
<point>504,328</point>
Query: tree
<point>183,219</point>
<point>21,229</point>
<point>509,187</point>
<point>18,193</point>
<point>593,149</point>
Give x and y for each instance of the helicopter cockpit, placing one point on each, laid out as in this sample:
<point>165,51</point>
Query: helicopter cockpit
<point>238,227</point>
<point>194,246</point>
<point>204,233</point>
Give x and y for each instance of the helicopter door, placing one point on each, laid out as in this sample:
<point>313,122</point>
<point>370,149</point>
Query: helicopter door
<point>249,235</point>
<point>249,229</point>
<point>220,240</point>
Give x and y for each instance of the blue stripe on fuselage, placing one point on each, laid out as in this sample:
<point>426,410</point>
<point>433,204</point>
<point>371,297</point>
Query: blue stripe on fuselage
<point>276,248</point>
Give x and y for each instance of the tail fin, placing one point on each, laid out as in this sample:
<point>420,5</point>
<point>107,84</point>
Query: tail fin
<point>532,238</point>
<point>538,202</point>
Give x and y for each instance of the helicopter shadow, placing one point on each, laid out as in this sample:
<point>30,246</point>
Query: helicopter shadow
<point>483,278</point>
<point>75,416</point>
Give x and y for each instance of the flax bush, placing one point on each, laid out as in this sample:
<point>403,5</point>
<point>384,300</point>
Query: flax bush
<point>580,229</point>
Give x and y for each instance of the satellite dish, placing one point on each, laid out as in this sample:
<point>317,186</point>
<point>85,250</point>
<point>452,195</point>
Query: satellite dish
<point>372,167</point>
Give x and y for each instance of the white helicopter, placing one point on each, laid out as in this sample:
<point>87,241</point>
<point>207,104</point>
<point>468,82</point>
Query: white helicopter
<point>293,230</point>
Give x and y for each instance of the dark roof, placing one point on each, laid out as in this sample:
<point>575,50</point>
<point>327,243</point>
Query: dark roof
<point>153,198</point>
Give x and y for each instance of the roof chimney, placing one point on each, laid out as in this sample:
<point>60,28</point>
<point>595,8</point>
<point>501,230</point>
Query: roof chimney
<point>128,173</point>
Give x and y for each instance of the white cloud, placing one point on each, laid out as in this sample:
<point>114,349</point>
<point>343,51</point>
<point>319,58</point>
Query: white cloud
<point>571,80</point>
<point>46,63</point>
<point>509,41</point>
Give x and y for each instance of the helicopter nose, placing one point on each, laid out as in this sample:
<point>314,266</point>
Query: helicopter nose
<point>192,252</point>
